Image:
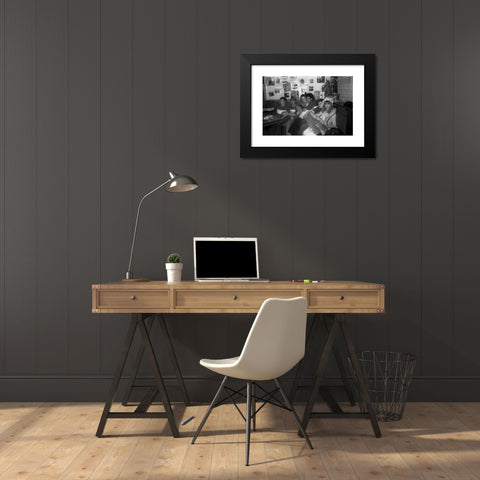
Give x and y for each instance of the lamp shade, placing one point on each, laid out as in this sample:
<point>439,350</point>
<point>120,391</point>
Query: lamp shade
<point>181,183</point>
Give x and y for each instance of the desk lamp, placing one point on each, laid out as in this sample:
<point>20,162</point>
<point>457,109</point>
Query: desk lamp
<point>176,183</point>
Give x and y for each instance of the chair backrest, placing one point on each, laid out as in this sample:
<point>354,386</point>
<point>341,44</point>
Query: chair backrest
<point>276,341</point>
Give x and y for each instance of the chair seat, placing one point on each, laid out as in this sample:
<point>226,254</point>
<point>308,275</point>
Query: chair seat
<point>229,367</point>
<point>220,363</point>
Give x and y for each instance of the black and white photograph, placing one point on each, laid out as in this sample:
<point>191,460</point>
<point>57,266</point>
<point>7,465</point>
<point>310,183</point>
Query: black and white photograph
<point>322,106</point>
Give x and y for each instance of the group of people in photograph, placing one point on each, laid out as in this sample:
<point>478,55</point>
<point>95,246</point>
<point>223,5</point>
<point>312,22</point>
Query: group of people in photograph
<point>311,116</point>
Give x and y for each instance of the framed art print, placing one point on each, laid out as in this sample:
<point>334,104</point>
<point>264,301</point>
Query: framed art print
<point>307,105</point>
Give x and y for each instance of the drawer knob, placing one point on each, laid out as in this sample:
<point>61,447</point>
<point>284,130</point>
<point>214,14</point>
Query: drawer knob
<point>235,297</point>
<point>133,297</point>
<point>341,297</point>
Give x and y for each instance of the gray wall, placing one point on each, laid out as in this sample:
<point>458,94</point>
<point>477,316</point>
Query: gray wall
<point>99,99</point>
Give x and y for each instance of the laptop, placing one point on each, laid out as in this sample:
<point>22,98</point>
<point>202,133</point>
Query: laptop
<point>227,259</point>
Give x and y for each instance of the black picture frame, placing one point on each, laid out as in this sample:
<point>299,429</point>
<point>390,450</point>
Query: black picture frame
<point>253,141</point>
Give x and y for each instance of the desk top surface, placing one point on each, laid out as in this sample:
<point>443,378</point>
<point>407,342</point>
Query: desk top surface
<point>157,284</point>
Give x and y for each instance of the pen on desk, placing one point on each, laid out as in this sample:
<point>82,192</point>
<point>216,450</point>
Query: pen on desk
<point>187,420</point>
<point>308,281</point>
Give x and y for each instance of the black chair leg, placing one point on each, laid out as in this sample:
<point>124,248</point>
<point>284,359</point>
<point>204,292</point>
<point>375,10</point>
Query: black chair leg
<point>254,408</point>
<point>250,414</point>
<point>248,421</point>
<point>210,408</point>
<point>290,406</point>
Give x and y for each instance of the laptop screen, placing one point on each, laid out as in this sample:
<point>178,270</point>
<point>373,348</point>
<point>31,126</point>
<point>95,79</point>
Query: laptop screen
<point>224,258</point>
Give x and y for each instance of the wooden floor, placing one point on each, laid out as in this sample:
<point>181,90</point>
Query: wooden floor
<point>57,441</point>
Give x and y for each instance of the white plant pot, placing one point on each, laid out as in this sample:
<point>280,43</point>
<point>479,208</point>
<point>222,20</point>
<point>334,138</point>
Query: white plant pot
<point>174,272</point>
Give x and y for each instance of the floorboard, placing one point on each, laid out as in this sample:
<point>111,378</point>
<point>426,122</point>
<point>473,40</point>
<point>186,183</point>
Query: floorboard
<point>56,441</point>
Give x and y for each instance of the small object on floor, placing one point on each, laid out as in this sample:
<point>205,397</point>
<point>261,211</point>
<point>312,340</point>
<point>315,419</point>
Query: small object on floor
<point>187,420</point>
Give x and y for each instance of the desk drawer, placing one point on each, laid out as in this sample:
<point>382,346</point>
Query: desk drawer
<point>220,299</point>
<point>132,299</point>
<point>339,299</point>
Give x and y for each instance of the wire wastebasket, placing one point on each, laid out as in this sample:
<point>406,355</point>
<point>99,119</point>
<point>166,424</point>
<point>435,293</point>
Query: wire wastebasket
<point>387,376</point>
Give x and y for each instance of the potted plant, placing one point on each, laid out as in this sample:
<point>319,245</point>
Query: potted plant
<point>174,268</point>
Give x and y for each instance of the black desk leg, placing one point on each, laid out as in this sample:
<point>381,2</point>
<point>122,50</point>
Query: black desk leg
<point>158,377</point>
<point>341,366</point>
<point>361,382</point>
<point>301,364</point>
<point>149,318</point>
<point>173,357</point>
<point>322,366</point>
<point>340,363</point>
<point>131,385</point>
<point>116,378</point>
<point>338,324</point>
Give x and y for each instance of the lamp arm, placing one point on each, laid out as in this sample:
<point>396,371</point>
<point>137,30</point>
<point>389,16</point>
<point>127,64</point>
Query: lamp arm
<point>136,223</point>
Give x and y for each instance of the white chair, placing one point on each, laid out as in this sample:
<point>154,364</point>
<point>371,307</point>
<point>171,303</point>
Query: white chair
<point>275,344</point>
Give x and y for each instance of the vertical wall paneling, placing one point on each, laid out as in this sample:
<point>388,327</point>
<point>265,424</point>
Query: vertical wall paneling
<point>116,162</point>
<point>212,167</point>
<point>20,186</point>
<point>437,186</point>
<point>244,174</point>
<point>340,222</point>
<point>182,117</point>
<point>84,184</point>
<point>212,117</point>
<point>52,187</point>
<point>308,177</point>
<point>340,173</point>
<point>2,189</point>
<point>308,27</point>
<point>99,99</point>
<point>149,166</point>
<point>466,174</point>
<point>149,135</point>
<point>404,182</point>
<point>372,175</point>
<point>181,129</point>
<point>276,240</point>
<point>244,180</point>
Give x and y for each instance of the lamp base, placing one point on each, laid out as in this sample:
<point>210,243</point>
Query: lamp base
<point>135,280</point>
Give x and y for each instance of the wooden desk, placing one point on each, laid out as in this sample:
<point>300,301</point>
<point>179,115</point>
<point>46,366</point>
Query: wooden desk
<point>149,298</point>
